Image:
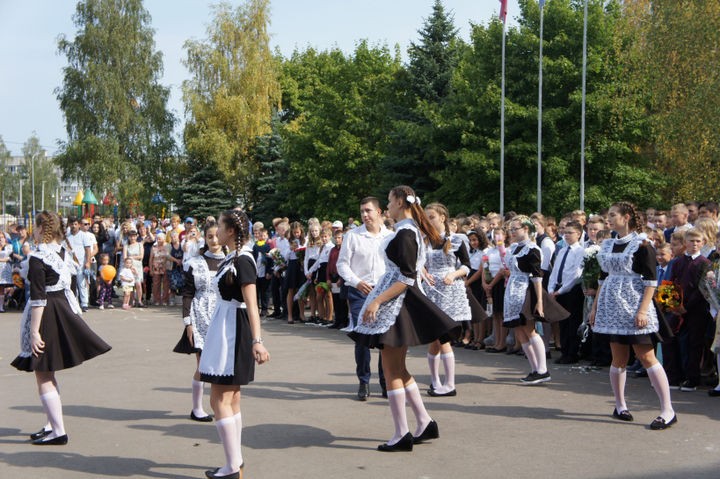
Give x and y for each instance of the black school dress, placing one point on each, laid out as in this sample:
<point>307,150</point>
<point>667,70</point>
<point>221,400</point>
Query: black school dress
<point>68,339</point>
<point>409,319</point>
<point>227,356</point>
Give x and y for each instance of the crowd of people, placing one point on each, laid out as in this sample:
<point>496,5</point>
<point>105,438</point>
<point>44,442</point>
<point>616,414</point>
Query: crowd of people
<point>404,275</point>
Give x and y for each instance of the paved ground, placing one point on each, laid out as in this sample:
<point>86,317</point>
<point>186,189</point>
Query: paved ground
<point>127,416</point>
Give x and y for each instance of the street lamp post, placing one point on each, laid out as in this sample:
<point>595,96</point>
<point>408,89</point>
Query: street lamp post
<point>20,206</point>
<point>32,179</point>
<point>42,196</point>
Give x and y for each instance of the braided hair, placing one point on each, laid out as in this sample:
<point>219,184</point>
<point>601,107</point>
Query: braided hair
<point>50,226</point>
<point>406,193</point>
<point>635,223</point>
<point>240,224</point>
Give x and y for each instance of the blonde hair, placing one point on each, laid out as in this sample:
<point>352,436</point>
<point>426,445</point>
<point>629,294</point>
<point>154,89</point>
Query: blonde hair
<point>708,228</point>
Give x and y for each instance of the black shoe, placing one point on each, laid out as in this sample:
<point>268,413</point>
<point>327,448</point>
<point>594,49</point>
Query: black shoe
<point>688,386</point>
<point>56,441</point>
<point>384,393</point>
<point>623,415</point>
<point>207,418</point>
<point>84,309</point>
<point>566,360</point>
<point>433,393</point>
<point>363,392</point>
<point>714,393</point>
<point>213,474</point>
<point>536,378</point>
<point>431,432</point>
<point>659,423</point>
<point>404,444</point>
<point>334,326</point>
<point>40,434</point>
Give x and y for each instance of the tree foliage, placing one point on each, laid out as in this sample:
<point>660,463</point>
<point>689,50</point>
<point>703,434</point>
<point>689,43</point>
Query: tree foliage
<point>232,93</point>
<point>119,128</point>
<point>204,192</point>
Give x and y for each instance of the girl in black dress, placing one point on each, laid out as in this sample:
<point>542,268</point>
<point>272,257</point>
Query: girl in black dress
<point>233,342</point>
<point>53,335</point>
<point>397,314</point>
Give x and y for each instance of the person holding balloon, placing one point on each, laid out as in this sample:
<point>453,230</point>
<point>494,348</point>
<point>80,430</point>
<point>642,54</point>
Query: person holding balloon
<point>106,273</point>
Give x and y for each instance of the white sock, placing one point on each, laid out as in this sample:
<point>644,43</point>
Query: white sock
<point>414,399</point>
<point>659,382</point>
<point>530,353</point>
<point>53,407</point>
<point>448,360</point>
<point>198,388</point>
<point>617,381</point>
<point>434,364</point>
<point>539,347</point>
<point>227,430</point>
<point>396,399</point>
<point>238,425</point>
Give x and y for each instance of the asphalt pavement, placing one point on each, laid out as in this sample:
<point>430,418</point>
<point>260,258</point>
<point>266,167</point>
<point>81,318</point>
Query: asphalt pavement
<point>127,415</point>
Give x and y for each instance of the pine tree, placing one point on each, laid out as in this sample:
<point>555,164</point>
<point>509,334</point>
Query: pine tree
<point>204,193</point>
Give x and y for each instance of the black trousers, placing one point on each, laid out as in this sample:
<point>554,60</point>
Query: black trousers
<point>573,302</point>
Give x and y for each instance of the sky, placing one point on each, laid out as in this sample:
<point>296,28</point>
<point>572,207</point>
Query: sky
<point>31,68</point>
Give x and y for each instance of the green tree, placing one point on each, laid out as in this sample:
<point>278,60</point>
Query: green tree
<point>416,145</point>
<point>339,110</point>
<point>204,192</point>
<point>232,92</point>
<point>8,181</point>
<point>614,132</point>
<point>669,54</point>
<point>39,168</point>
<point>268,197</point>
<point>119,128</point>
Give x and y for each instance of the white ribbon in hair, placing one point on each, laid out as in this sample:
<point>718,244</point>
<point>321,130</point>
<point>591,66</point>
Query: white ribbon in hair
<point>412,199</point>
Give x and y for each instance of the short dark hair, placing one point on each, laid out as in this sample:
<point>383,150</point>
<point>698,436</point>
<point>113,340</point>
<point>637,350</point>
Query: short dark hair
<point>73,219</point>
<point>574,225</point>
<point>711,206</point>
<point>371,199</point>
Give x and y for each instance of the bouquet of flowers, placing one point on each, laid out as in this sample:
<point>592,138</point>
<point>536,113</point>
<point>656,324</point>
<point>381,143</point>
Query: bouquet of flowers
<point>669,295</point>
<point>710,284</point>
<point>300,253</point>
<point>321,287</point>
<point>591,268</point>
<point>486,268</point>
<point>277,258</point>
<point>303,292</point>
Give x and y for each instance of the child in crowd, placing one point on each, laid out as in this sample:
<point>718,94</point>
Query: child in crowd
<point>104,288</point>
<point>127,281</point>
<point>684,354</point>
<point>318,272</point>
<point>494,285</point>
<point>337,288</point>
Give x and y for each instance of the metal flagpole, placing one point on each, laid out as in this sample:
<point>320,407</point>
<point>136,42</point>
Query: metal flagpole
<point>582,120</point>
<point>502,116</point>
<point>540,83</point>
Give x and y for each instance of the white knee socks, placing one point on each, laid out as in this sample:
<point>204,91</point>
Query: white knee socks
<point>227,430</point>
<point>53,408</point>
<point>617,381</point>
<point>238,425</point>
<point>434,365</point>
<point>448,360</point>
<point>396,399</point>
<point>659,381</point>
<point>530,353</point>
<point>539,347</point>
<point>414,399</point>
<point>197,398</point>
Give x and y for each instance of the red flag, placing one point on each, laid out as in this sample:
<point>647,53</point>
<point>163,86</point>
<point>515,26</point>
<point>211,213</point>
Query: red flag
<point>503,10</point>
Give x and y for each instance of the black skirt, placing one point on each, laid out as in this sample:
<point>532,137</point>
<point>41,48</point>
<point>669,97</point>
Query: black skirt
<point>294,276</point>
<point>184,347</point>
<point>477,310</point>
<point>498,297</point>
<point>419,321</point>
<point>69,341</point>
<point>553,311</point>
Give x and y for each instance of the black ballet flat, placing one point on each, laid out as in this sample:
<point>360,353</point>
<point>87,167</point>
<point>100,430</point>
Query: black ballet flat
<point>233,475</point>
<point>623,415</point>
<point>433,393</point>
<point>659,423</point>
<point>56,441</point>
<point>207,418</point>
<point>40,434</point>
<point>431,432</point>
<point>405,444</point>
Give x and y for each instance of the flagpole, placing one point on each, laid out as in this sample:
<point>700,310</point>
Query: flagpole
<point>582,120</point>
<point>540,83</point>
<point>502,127</point>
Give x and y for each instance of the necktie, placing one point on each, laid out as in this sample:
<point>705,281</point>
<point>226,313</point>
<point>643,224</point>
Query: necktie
<point>662,274</point>
<point>562,267</point>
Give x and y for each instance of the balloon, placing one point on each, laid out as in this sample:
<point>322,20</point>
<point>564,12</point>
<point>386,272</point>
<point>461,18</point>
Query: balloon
<point>108,273</point>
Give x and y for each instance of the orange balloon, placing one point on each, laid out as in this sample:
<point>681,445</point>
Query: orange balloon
<point>108,273</point>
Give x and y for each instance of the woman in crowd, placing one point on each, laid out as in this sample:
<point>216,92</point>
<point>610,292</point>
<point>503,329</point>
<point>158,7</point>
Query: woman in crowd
<point>198,305</point>
<point>53,335</point>
<point>624,310</point>
<point>397,314</point>
<point>147,238</point>
<point>294,277</point>
<point>159,257</point>
<point>525,299</point>
<point>175,272</point>
<point>136,252</point>
<point>233,341</point>
<point>446,289</point>
<point>476,278</point>
<point>494,286</point>
<point>312,255</point>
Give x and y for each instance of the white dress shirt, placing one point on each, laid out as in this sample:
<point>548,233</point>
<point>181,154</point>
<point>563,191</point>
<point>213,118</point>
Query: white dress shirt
<point>572,271</point>
<point>361,258</point>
